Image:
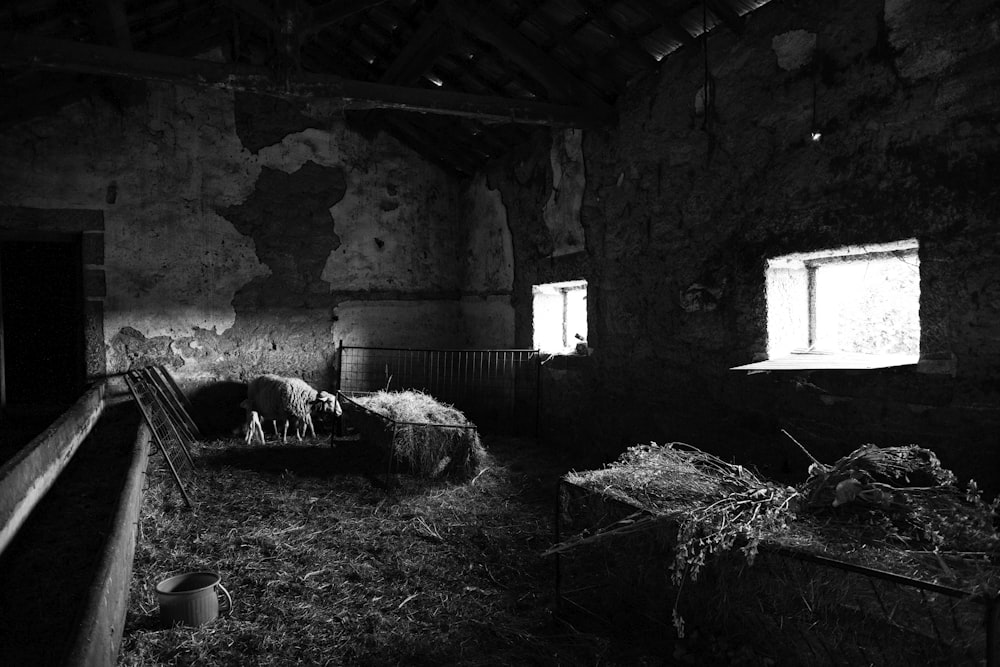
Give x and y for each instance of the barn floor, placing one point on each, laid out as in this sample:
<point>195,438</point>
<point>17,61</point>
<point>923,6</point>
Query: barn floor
<point>327,566</point>
<point>326,563</point>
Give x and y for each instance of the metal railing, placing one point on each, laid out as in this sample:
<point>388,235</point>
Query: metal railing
<point>498,390</point>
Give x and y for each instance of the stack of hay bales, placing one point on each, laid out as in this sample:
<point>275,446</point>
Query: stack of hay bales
<point>431,439</point>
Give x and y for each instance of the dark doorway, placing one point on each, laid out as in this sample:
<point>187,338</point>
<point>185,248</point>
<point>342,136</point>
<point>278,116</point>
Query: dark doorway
<point>42,366</point>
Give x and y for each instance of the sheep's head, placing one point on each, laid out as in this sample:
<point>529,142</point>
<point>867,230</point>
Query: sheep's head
<point>325,402</point>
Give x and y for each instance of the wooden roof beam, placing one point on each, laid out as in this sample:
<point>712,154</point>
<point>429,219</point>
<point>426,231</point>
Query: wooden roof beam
<point>110,23</point>
<point>669,22</point>
<point>597,15</point>
<point>429,42</point>
<point>334,12</point>
<point>39,53</point>
<point>561,84</point>
<point>727,15</point>
<point>565,39</point>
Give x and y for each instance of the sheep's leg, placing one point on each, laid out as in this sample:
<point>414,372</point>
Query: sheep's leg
<point>284,433</point>
<point>258,428</point>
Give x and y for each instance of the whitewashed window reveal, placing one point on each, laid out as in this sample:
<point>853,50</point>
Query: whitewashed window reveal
<point>852,307</point>
<point>559,316</point>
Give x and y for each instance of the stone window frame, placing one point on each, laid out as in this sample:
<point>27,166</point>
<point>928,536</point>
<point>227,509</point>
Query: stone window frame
<point>791,277</point>
<point>23,223</point>
<point>570,347</point>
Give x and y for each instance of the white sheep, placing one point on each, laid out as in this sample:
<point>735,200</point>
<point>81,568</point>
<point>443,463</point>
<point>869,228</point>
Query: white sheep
<point>277,398</point>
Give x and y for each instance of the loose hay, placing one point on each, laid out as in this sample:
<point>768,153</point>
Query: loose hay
<point>887,509</point>
<point>327,569</point>
<point>431,439</point>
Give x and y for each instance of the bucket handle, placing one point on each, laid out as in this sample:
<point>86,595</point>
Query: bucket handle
<point>229,598</point>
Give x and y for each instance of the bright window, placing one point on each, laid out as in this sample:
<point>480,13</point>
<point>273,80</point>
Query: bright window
<point>559,316</point>
<point>852,307</point>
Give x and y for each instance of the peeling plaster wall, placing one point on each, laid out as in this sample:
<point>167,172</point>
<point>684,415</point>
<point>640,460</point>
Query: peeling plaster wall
<point>681,211</point>
<point>237,228</point>
<point>392,323</point>
<point>562,210</point>
<point>488,268</point>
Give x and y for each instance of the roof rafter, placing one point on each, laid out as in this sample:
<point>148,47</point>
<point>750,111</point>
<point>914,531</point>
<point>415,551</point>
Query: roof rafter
<point>21,51</point>
<point>566,40</point>
<point>519,49</point>
<point>668,22</point>
<point>428,43</point>
<point>596,14</point>
<point>332,13</point>
<point>727,15</point>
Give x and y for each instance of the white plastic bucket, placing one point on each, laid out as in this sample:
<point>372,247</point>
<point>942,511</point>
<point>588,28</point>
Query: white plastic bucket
<point>190,599</point>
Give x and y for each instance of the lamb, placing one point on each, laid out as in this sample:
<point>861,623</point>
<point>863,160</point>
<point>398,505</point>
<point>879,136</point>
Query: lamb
<point>253,424</point>
<point>277,398</point>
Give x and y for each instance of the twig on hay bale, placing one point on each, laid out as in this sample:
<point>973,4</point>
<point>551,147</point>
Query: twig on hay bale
<point>891,501</point>
<point>713,506</point>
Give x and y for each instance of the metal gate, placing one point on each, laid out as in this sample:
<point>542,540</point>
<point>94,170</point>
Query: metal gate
<point>498,390</point>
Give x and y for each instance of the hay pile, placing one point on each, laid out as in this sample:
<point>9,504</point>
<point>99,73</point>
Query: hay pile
<point>325,568</point>
<point>432,439</point>
<point>894,509</point>
<point>905,490</point>
<point>714,506</point>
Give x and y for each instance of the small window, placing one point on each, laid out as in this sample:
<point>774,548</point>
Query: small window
<point>560,316</point>
<point>853,307</point>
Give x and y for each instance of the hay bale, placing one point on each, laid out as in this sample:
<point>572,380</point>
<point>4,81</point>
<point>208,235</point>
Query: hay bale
<point>432,439</point>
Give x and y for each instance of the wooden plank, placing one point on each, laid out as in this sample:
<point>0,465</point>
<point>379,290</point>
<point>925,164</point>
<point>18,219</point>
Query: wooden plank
<point>33,51</point>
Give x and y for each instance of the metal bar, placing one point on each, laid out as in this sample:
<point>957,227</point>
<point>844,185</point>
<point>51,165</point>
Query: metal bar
<point>536,355</point>
<point>159,441</point>
<point>182,398</point>
<point>436,349</point>
<point>880,574</point>
<point>160,402</point>
<point>340,366</point>
<point>171,402</point>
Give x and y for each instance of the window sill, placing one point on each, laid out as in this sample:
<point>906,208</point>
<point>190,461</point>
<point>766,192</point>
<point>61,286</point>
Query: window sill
<point>813,361</point>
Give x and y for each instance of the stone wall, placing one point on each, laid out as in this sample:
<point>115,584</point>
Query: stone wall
<point>241,237</point>
<point>683,205</point>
